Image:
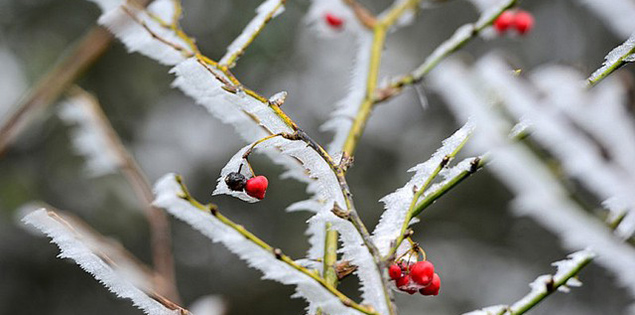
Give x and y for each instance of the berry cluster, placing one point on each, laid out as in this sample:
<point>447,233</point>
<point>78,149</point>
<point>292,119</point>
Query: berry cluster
<point>520,20</point>
<point>419,276</point>
<point>255,186</point>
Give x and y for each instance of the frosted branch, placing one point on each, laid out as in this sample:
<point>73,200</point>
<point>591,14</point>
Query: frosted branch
<point>118,272</point>
<point>544,285</point>
<point>618,57</point>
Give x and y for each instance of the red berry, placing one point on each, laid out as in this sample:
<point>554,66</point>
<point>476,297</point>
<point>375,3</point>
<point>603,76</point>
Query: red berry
<point>422,272</point>
<point>394,271</point>
<point>433,287</point>
<point>257,187</point>
<point>334,20</point>
<point>504,21</point>
<point>523,22</point>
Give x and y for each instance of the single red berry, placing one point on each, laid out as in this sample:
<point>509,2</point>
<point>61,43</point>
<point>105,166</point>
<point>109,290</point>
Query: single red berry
<point>394,271</point>
<point>504,21</point>
<point>433,287</point>
<point>523,22</point>
<point>257,187</point>
<point>422,272</point>
<point>334,21</point>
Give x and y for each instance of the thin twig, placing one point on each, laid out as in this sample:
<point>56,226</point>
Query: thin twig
<point>364,16</point>
<point>159,225</point>
<point>610,66</point>
<point>213,210</point>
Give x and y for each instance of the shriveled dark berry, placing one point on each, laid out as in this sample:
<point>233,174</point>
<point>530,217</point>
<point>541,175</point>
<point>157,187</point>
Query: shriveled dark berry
<point>236,181</point>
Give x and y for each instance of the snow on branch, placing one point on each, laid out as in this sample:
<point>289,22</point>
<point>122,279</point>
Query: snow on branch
<point>618,57</point>
<point>172,196</point>
<point>539,193</point>
<point>544,285</point>
<point>109,264</point>
<point>399,203</point>
<point>265,12</point>
<point>89,137</point>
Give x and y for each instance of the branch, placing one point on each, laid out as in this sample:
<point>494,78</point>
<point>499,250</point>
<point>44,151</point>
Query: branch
<point>545,285</point>
<point>266,12</point>
<point>460,38</point>
<point>173,185</point>
<point>159,225</point>
<point>51,85</point>
<point>618,57</point>
<point>364,16</point>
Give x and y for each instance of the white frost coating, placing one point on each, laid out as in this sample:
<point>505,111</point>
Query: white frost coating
<point>564,270</point>
<point>398,203</point>
<point>539,194</point>
<point>617,14</point>
<point>490,310</point>
<point>89,137</point>
<point>167,196</point>
<point>72,245</point>
<point>163,9</point>
<point>346,109</point>
<point>137,38</point>
<point>621,53</point>
<point>267,10</point>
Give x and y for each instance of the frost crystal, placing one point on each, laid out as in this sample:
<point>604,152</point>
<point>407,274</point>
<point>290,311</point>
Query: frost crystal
<point>120,275</point>
<point>89,136</point>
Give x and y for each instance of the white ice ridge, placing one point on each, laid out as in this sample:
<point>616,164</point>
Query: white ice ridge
<point>89,137</point>
<point>121,278</point>
<point>168,192</point>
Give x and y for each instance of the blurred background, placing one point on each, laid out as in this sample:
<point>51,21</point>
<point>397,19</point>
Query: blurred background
<point>484,254</point>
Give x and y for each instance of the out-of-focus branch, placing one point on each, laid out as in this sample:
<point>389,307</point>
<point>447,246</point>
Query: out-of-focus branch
<point>56,81</point>
<point>614,60</point>
<point>364,16</point>
<point>159,226</point>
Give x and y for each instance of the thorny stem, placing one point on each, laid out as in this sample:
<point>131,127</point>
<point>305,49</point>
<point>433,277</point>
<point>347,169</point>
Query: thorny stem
<point>550,287</point>
<point>159,225</point>
<point>213,210</point>
<point>420,190</point>
<point>458,40</point>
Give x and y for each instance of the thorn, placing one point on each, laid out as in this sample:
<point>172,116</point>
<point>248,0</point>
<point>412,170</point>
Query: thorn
<point>550,285</point>
<point>278,253</point>
<point>445,161</point>
<point>213,210</point>
<point>340,213</point>
<point>415,189</point>
<point>474,165</point>
<point>278,99</point>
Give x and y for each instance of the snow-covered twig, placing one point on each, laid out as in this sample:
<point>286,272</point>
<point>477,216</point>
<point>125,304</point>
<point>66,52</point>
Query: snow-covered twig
<point>265,13</point>
<point>96,139</point>
<point>172,195</point>
<point>122,275</point>
<point>619,56</point>
<point>544,285</point>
